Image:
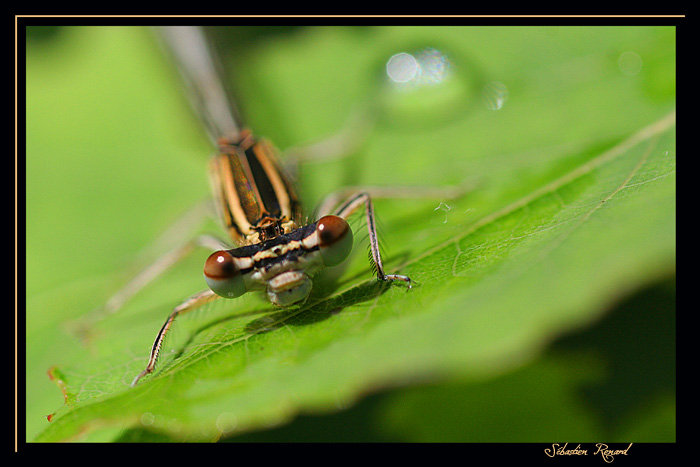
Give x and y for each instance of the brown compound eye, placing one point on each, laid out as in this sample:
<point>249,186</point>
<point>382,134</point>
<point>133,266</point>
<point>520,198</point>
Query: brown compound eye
<point>335,239</point>
<point>223,276</point>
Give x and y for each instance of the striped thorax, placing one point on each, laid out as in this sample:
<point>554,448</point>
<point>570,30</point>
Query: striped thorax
<point>255,199</point>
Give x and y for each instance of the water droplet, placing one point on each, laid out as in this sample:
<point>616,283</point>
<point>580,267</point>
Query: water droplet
<point>435,66</point>
<point>402,67</point>
<point>426,66</point>
<point>422,87</point>
<point>630,63</point>
<point>495,95</point>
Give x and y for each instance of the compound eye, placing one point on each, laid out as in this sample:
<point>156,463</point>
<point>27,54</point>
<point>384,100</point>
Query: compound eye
<point>223,276</point>
<point>335,239</point>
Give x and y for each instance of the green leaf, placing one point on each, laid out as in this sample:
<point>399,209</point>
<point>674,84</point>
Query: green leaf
<point>573,208</point>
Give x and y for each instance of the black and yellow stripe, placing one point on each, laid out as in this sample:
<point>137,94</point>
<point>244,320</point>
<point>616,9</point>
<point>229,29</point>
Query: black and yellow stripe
<point>255,199</point>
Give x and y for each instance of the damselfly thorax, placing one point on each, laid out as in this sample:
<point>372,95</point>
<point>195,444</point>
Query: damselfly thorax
<point>255,200</point>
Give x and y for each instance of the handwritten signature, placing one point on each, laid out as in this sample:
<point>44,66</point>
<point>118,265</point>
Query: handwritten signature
<point>601,450</point>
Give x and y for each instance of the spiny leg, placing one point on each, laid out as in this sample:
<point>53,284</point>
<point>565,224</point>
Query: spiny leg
<point>192,303</point>
<point>350,206</point>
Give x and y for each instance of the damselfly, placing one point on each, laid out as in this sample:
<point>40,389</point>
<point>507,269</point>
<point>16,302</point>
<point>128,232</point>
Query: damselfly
<point>260,210</point>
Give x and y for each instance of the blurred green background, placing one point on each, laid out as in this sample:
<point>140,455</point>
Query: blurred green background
<point>114,156</point>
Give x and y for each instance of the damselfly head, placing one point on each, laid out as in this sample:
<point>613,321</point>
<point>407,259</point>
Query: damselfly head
<point>284,265</point>
<point>335,239</point>
<point>223,276</point>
